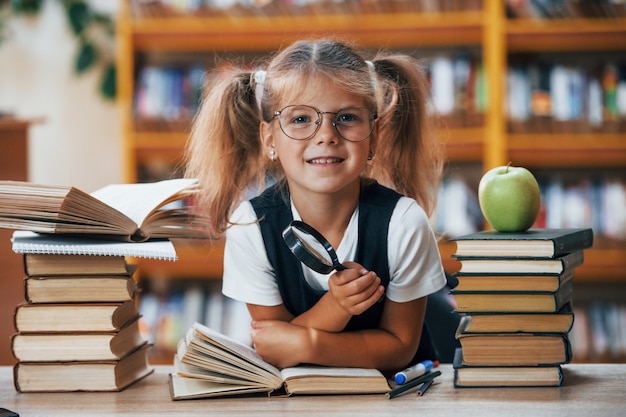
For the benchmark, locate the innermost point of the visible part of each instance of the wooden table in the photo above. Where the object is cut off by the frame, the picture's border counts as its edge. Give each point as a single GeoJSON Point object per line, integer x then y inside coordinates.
{"type": "Point", "coordinates": [589, 390]}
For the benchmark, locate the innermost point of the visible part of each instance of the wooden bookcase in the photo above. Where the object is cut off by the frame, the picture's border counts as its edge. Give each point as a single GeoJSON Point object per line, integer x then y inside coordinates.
{"type": "Point", "coordinates": [13, 166]}
{"type": "Point", "coordinates": [485, 27]}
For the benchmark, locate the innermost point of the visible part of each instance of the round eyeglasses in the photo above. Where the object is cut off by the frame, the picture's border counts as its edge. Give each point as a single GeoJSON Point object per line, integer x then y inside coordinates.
{"type": "Point", "coordinates": [300, 122]}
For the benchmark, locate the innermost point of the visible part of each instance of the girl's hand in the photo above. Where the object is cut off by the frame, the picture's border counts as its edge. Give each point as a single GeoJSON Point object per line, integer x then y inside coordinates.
{"type": "Point", "coordinates": [280, 343]}
{"type": "Point", "coordinates": [355, 289]}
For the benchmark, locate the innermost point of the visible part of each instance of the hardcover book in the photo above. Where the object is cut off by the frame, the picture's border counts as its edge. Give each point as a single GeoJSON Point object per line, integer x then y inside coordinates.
{"type": "Point", "coordinates": [79, 288]}
{"type": "Point", "coordinates": [513, 265]}
{"type": "Point", "coordinates": [36, 264]}
{"type": "Point", "coordinates": [513, 349]}
{"type": "Point", "coordinates": [533, 243]}
{"type": "Point", "coordinates": [505, 322]}
{"type": "Point", "coordinates": [209, 364]}
{"type": "Point", "coordinates": [55, 318]}
{"type": "Point", "coordinates": [512, 282]}
{"type": "Point", "coordinates": [132, 212]}
{"type": "Point", "coordinates": [113, 375]}
{"type": "Point", "coordinates": [466, 376]}
{"type": "Point", "coordinates": [77, 346]}
{"type": "Point", "coordinates": [500, 301]}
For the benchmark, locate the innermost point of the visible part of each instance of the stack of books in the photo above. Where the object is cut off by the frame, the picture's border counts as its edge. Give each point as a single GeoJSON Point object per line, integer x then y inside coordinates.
{"type": "Point", "coordinates": [78, 327]}
{"type": "Point", "coordinates": [515, 290]}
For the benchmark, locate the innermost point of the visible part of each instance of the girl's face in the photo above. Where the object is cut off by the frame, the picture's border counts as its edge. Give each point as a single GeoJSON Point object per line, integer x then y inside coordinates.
{"type": "Point", "coordinates": [325, 163]}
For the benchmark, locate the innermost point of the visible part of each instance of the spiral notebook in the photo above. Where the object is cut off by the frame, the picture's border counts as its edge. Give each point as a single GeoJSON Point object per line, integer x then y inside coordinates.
{"type": "Point", "coordinates": [29, 242]}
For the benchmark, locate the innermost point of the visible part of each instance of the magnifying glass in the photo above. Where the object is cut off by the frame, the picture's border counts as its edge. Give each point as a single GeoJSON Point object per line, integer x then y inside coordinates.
{"type": "Point", "coordinates": [311, 248]}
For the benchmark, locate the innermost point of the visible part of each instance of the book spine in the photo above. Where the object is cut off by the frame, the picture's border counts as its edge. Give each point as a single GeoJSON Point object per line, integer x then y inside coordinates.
{"type": "Point", "coordinates": [572, 260]}
{"type": "Point", "coordinates": [572, 243]}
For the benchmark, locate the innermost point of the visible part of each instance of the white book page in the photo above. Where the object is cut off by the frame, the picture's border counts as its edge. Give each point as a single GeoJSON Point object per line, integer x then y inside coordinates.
{"type": "Point", "coordinates": [29, 242]}
{"type": "Point", "coordinates": [137, 201]}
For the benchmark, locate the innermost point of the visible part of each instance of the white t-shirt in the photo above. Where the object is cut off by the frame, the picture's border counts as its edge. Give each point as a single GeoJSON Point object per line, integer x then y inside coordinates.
{"type": "Point", "coordinates": [414, 261]}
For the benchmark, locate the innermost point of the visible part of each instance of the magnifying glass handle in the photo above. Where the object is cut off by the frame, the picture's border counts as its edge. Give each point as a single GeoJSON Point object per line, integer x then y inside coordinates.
{"type": "Point", "coordinates": [339, 267]}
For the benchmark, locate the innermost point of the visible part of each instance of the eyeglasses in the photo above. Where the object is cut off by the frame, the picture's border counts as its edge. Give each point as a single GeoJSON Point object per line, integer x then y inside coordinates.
{"type": "Point", "coordinates": [300, 122]}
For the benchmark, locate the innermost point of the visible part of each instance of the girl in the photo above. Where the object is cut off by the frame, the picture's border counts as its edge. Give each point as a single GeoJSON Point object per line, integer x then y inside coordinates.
{"type": "Point", "coordinates": [332, 129]}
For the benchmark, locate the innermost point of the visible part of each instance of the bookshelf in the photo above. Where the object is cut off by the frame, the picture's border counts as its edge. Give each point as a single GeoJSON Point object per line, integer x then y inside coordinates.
{"type": "Point", "coordinates": [156, 30]}
{"type": "Point", "coordinates": [13, 166]}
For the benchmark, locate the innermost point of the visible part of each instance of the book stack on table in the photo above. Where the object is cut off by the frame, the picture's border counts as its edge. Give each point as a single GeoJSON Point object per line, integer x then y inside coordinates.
{"type": "Point", "coordinates": [78, 328]}
{"type": "Point", "coordinates": [515, 290]}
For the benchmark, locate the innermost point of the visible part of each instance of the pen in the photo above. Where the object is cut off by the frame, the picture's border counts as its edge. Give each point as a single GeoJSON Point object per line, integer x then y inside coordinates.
{"type": "Point", "coordinates": [413, 372]}
{"type": "Point", "coordinates": [424, 387]}
{"type": "Point", "coordinates": [412, 384]}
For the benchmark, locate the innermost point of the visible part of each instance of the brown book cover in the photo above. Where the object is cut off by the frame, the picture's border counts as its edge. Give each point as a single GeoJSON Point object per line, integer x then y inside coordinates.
{"type": "Point", "coordinates": [513, 349]}
{"type": "Point", "coordinates": [77, 346]}
{"type": "Point", "coordinates": [466, 376]}
{"type": "Point", "coordinates": [60, 318]}
{"type": "Point", "coordinates": [505, 322]}
{"type": "Point", "coordinates": [114, 375]}
{"type": "Point", "coordinates": [39, 264]}
{"type": "Point", "coordinates": [512, 282]}
{"type": "Point", "coordinates": [509, 301]}
{"type": "Point", "coordinates": [79, 288]}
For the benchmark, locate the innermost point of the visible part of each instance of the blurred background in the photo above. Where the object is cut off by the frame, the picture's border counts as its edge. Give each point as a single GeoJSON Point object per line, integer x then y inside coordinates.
{"type": "Point", "coordinates": [105, 92]}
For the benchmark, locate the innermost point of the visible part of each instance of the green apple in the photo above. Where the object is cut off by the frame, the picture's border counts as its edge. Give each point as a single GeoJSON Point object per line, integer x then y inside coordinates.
{"type": "Point", "coordinates": [509, 198]}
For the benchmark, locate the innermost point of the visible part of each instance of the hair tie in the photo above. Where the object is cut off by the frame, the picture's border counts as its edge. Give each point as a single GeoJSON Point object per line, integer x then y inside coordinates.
{"type": "Point", "coordinates": [259, 79]}
{"type": "Point", "coordinates": [372, 70]}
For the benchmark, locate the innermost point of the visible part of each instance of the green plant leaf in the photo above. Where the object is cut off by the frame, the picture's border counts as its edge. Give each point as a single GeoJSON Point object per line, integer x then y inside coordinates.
{"type": "Point", "coordinates": [108, 86]}
{"type": "Point", "coordinates": [79, 16]}
{"type": "Point", "coordinates": [26, 6]}
{"type": "Point", "coordinates": [86, 57]}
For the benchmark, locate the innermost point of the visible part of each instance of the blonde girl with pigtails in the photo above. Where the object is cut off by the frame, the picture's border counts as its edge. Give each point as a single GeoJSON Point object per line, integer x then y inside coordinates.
{"type": "Point", "coordinates": [350, 147]}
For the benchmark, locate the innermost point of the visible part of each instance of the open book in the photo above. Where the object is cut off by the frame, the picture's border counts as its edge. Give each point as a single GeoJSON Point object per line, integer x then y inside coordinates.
{"type": "Point", "coordinates": [133, 212]}
{"type": "Point", "coordinates": [210, 364]}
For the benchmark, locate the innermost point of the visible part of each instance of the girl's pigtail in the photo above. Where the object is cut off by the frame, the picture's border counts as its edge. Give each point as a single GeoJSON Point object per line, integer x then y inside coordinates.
{"type": "Point", "coordinates": [408, 154]}
{"type": "Point", "coordinates": [224, 150]}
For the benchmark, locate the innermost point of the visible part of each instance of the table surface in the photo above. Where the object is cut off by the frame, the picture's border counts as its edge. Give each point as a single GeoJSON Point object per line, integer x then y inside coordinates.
{"type": "Point", "coordinates": [589, 389]}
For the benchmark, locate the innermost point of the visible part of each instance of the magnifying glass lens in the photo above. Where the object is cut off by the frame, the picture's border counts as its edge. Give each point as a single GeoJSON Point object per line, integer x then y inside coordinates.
{"type": "Point", "coordinates": [311, 248]}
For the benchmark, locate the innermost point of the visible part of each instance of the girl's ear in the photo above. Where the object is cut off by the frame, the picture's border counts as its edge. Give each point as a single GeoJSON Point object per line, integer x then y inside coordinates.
{"type": "Point", "coordinates": [267, 138]}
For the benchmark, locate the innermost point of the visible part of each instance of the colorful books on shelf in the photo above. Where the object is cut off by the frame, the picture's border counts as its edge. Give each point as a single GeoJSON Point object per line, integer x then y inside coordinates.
{"type": "Point", "coordinates": [210, 364]}
{"type": "Point", "coordinates": [73, 332]}
{"type": "Point", "coordinates": [516, 291]}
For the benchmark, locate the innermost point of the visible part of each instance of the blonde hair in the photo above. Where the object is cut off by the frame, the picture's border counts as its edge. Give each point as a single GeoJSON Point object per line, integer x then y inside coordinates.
{"type": "Point", "coordinates": [224, 149]}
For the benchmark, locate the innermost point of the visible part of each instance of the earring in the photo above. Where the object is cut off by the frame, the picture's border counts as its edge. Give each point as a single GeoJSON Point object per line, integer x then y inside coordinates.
{"type": "Point", "coordinates": [371, 155]}
{"type": "Point", "coordinates": [272, 155]}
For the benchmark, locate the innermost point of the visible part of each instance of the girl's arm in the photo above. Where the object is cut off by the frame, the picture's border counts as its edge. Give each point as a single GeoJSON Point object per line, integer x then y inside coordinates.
{"type": "Point", "coordinates": [351, 292]}
{"type": "Point", "coordinates": [391, 346]}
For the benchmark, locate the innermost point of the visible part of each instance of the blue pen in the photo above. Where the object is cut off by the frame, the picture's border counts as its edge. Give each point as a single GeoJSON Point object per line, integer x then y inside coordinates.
{"type": "Point", "coordinates": [413, 372]}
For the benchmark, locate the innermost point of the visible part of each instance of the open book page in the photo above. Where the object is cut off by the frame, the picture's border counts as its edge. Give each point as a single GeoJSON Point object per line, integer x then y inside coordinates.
{"type": "Point", "coordinates": [138, 201]}
{"type": "Point", "coordinates": [183, 388]}
{"type": "Point", "coordinates": [29, 242]}
{"type": "Point", "coordinates": [194, 366]}
{"type": "Point", "coordinates": [206, 363]}
{"type": "Point", "coordinates": [333, 380]}
{"type": "Point", "coordinates": [227, 349]}
{"type": "Point", "coordinates": [132, 212]}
